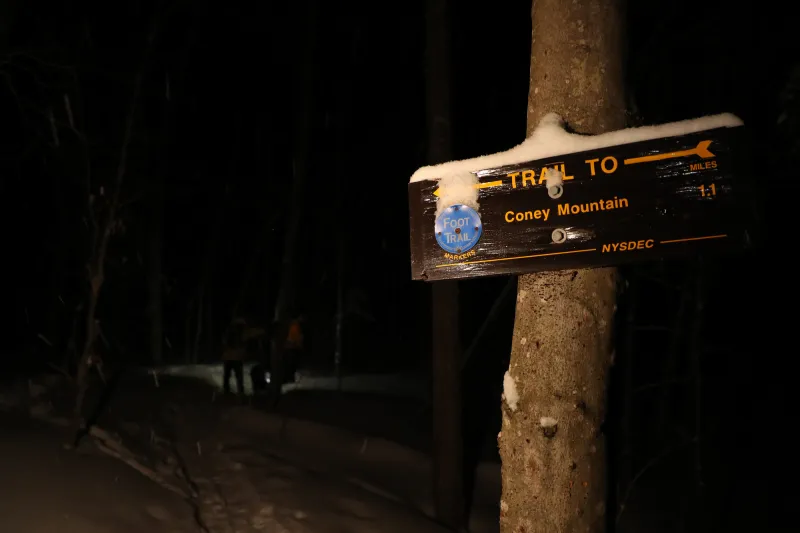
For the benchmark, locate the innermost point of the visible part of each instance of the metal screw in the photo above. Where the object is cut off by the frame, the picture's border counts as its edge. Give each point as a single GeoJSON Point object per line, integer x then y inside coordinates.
{"type": "Point", "coordinates": [555, 191]}
{"type": "Point", "coordinates": [559, 235]}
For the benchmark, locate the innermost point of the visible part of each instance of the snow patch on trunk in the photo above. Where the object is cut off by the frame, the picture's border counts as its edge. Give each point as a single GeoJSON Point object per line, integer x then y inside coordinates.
{"type": "Point", "coordinates": [550, 139]}
{"type": "Point", "coordinates": [547, 421]}
{"type": "Point", "coordinates": [510, 393]}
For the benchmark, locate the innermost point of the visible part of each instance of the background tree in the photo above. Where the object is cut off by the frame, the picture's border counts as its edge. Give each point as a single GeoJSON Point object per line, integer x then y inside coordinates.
{"type": "Point", "coordinates": [447, 443]}
{"type": "Point", "coordinates": [303, 70]}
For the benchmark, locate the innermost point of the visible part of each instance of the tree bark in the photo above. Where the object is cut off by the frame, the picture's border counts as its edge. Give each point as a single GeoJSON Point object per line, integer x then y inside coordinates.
{"type": "Point", "coordinates": [551, 443]}
{"type": "Point", "coordinates": [154, 271]}
{"type": "Point", "coordinates": [343, 126]}
{"type": "Point", "coordinates": [301, 148]}
{"type": "Point", "coordinates": [339, 331]}
{"type": "Point", "coordinates": [204, 287]}
{"type": "Point", "coordinates": [101, 237]}
{"type": "Point", "coordinates": [174, 92]}
{"type": "Point", "coordinates": [200, 302]}
{"type": "Point", "coordinates": [448, 484]}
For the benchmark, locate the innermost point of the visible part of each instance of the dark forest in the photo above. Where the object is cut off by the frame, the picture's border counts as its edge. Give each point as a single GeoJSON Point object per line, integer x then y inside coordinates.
{"type": "Point", "coordinates": [174, 171]}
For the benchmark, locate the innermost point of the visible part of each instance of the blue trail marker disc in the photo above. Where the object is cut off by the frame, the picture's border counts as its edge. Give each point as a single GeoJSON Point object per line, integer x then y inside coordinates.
{"type": "Point", "coordinates": [458, 229]}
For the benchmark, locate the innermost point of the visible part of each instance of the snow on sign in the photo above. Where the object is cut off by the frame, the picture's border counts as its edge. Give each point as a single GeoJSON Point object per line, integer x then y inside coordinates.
{"type": "Point", "coordinates": [560, 200]}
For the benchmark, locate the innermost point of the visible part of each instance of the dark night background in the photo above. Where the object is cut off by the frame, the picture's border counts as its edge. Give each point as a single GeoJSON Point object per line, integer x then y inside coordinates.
{"type": "Point", "coordinates": [216, 138]}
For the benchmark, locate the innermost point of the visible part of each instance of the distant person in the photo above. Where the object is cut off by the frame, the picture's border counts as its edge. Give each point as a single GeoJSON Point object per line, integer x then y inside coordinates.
{"type": "Point", "coordinates": [258, 377]}
{"type": "Point", "coordinates": [258, 372]}
{"type": "Point", "coordinates": [234, 353]}
{"type": "Point", "coordinates": [286, 348]}
{"type": "Point", "coordinates": [294, 345]}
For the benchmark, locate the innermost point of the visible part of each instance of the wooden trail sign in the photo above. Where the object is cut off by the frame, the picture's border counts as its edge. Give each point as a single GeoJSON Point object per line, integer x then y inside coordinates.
{"type": "Point", "coordinates": [659, 198]}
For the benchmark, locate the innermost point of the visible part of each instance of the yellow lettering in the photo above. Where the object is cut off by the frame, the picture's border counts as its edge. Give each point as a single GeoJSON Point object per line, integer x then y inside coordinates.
{"type": "Point", "coordinates": [591, 164]}
{"type": "Point", "coordinates": [542, 176]}
{"type": "Point", "coordinates": [564, 174]}
{"type": "Point", "coordinates": [528, 175]}
{"type": "Point", "coordinates": [628, 246]}
{"type": "Point", "coordinates": [521, 216]}
{"type": "Point", "coordinates": [590, 207]}
{"type": "Point", "coordinates": [513, 177]}
{"type": "Point", "coordinates": [467, 255]}
{"type": "Point", "coordinates": [603, 164]}
{"type": "Point", "coordinates": [702, 166]}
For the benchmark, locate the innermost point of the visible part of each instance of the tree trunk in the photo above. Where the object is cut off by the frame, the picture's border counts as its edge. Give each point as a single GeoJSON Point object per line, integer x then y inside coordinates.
{"type": "Point", "coordinates": [551, 444]}
{"type": "Point", "coordinates": [340, 264]}
{"type": "Point", "coordinates": [212, 345]}
{"type": "Point", "coordinates": [342, 126]}
{"type": "Point", "coordinates": [256, 255]}
{"type": "Point", "coordinates": [301, 148]}
{"type": "Point", "coordinates": [198, 332]}
{"type": "Point", "coordinates": [204, 288]}
{"type": "Point", "coordinates": [187, 334]}
{"type": "Point", "coordinates": [301, 135]}
{"type": "Point", "coordinates": [447, 445]}
{"type": "Point", "coordinates": [174, 93]}
{"type": "Point", "coordinates": [154, 271]}
{"type": "Point", "coordinates": [102, 235]}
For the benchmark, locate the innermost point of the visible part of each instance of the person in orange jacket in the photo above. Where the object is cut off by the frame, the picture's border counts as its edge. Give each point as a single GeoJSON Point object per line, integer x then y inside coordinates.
{"type": "Point", "coordinates": [287, 348]}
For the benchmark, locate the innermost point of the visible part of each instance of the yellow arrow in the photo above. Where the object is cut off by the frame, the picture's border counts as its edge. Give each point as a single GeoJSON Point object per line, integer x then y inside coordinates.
{"type": "Point", "coordinates": [701, 150]}
{"type": "Point", "coordinates": [486, 185]}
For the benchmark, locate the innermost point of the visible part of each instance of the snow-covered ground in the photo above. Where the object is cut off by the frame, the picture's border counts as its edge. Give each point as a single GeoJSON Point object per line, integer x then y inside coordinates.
{"type": "Point", "coordinates": [46, 489]}
{"type": "Point", "coordinates": [246, 470]}
{"type": "Point", "coordinates": [388, 384]}
{"type": "Point", "coordinates": [376, 465]}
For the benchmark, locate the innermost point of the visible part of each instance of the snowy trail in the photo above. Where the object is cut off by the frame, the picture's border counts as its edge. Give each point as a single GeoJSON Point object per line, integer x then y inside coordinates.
{"type": "Point", "coordinates": [47, 489]}
{"type": "Point", "coordinates": [375, 465]}
{"type": "Point", "coordinates": [226, 499]}
{"type": "Point", "coordinates": [315, 501]}
{"type": "Point", "coordinates": [244, 486]}
{"type": "Point", "coordinates": [249, 471]}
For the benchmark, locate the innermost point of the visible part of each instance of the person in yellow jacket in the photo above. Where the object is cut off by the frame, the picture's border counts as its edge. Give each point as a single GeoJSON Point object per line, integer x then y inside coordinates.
{"type": "Point", "coordinates": [234, 352]}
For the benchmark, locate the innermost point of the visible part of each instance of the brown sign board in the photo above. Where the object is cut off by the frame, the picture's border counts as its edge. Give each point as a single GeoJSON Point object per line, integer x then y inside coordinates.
{"type": "Point", "coordinates": [661, 198]}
